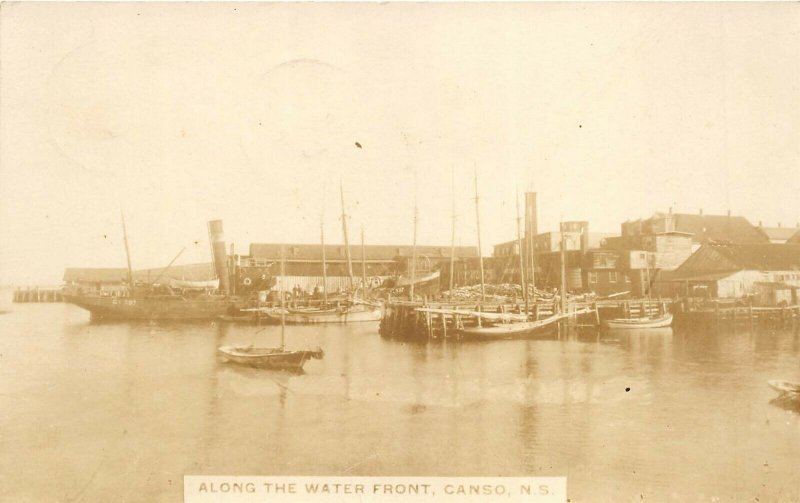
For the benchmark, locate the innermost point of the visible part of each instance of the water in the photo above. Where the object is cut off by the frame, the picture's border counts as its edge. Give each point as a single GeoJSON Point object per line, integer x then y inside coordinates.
{"type": "Point", "coordinates": [120, 412]}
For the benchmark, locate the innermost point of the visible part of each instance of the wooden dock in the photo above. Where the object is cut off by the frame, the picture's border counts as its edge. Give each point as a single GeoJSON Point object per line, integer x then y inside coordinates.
{"type": "Point", "coordinates": [36, 294]}
{"type": "Point", "coordinates": [405, 320]}
{"type": "Point", "coordinates": [733, 311]}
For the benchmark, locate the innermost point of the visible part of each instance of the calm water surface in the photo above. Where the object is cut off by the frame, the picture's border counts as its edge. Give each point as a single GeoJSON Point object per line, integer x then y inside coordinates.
{"type": "Point", "coordinates": [120, 412]}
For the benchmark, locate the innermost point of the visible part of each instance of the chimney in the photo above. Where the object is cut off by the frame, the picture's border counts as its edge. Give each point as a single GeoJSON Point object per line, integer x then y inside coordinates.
{"type": "Point", "coordinates": [219, 254]}
{"type": "Point", "coordinates": [779, 225]}
{"type": "Point", "coordinates": [701, 212]}
{"type": "Point", "coordinates": [729, 213]}
{"type": "Point", "coordinates": [760, 224]}
{"type": "Point", "coordinates": [670, 210]}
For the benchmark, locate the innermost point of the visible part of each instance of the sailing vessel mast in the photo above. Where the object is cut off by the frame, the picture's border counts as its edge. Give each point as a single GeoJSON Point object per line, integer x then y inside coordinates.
{"type": "Point", "coordinates": [563, 269]}
{"type": "Point", "coordinates": [283, 310]}
{"type": "Point", "coordinates": [363, 264]}
{"type": "Point", "coordinates": [127, 253]}
{"type": "Point", "coordinates": [478, 221]}
{"type": "Point", "coordinates": [168, 266]}
{"type": "Point", "coordinates": [414, 245]}
{"type": "Point", "coordinates": [522, 262]}
{"type": "Point", "coordinates": [346, 240]}
{"type": "Point", "coordinates": [453, 236]}
{"type": "Point", "coordinates": [324, 264]}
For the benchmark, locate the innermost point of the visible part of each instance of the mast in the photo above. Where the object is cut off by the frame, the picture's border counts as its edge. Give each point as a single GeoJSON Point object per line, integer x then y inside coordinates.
{"type": "Point", "coordinates": [346, 241]}
{"type": "Point", "coordinates": [168, 266]}
{"type": "Point", "coordinates": [453, 236]}
{"type": "Point", "coordinates": [363, 264]}
{"type": "Point", "coordinates": [563, 270]}
{"type": "Point", "coordinates": [521, 261]}
{"type": "Point", "coordinates": [283, 311]}
{"type": "Point", "coordinates": [127, 253]}
{"type": "Point", "coordinates": [478, 221]}
{"type": "Point", "coordinates": [324, 264]}
{"type": "Point", "coordinates": [531, 248]}
{"type": "Point", "coordinates": [414, 246]}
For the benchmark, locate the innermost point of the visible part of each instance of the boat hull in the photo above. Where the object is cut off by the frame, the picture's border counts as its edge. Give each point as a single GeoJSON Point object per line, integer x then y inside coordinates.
{"type": "Point", "coordinates": [511, 330]}
{"type": "Point", "coordinates": [173, 309]}
{"type": "Point", "coordinates": [268, 358]}
{"type": "Point", "coordinates": [633, 323]}
{"type": "Point", "coordinates": [348, 315]}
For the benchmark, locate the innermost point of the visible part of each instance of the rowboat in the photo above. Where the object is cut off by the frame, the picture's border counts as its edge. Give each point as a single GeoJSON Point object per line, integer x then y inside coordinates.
{"type": "Point", "coordinates": [785, 387]}
{"type": "Point", "coordinates": [269, 358]}
{"type": "Point", "coordinates": [639, 323]}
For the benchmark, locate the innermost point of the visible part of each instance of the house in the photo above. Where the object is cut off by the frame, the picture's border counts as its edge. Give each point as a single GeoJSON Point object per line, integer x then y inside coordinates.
{"type": "Point", "coordinates": [702, 228]}
{"type": "Point", "coordinates": [606, 272]}
{"type": "Point", "coordinates": [768, 272]}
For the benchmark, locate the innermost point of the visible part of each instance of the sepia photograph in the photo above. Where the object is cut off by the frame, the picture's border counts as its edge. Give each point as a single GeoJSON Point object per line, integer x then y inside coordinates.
{"type": "Point", "coordinates": [285, 252]}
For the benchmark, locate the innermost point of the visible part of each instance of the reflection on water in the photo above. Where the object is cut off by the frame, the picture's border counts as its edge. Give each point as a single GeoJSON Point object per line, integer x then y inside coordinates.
{"type": "Point", "coordinates": [120, 412]}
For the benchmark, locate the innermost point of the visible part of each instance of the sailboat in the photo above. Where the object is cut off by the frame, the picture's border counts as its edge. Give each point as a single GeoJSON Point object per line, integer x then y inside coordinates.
{"type": "Point", "coordinates": [646, 321]}
{"type": "Point", "coordinates": [272, 358]}
{"type": "Point", "coordinates": [350, 311]}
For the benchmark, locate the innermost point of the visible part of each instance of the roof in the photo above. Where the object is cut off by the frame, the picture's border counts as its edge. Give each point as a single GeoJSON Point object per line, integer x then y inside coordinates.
{"type": "Point", "coordinates": [718, 228]}
{"type": "Point", "coordinates": [716, 258]}
{"type": "Point", "coordinates": [337, 252]}
{"type": "Point", "coordinates": [795, 239]}
{"type": "Point", "coordinates": [779, 233]}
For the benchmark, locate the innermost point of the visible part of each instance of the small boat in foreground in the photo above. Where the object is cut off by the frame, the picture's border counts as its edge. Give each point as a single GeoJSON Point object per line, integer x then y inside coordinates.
{"type": "Point", "coordinates": [785, 387]}
{"type": "Point", "coordinates": [639, 323]}
{"type": "Point", "coordinates": [272, 358]}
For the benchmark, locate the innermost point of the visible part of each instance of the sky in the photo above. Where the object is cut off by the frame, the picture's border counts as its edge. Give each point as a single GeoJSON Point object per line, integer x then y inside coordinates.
{"type": "Point", "coordinates": [176, 114]}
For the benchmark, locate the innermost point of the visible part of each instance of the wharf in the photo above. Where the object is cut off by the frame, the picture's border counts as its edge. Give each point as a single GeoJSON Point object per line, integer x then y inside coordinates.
{"type": "Point", "coordinates": [405, 319]}
{"type": "Point", "coordinates": [733, 311]}
{"type": "Point", "coordinates": [36, 294]}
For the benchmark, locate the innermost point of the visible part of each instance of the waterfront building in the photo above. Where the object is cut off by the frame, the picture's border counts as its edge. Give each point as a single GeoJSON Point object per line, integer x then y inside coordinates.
{"type": "Point", "coordinates": [303, 263]}
{"type": "Point", "coordinates": [767, 272]}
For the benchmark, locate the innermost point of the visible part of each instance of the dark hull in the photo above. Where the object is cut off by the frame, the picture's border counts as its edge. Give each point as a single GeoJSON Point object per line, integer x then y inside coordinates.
{"type": "Point", "coordinates": [159, 308]}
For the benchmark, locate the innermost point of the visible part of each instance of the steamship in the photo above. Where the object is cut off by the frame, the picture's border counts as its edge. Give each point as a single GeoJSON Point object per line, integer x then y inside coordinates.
{"type": "Point", "coordinates": [160, 302]}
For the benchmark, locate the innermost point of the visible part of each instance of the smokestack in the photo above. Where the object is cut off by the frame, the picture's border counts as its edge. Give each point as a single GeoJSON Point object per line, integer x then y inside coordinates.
{"type": "Point", "coordinates": [701, 212]}
{"type": "Point", "coordinates": [729, 212]}
{"type": "Point", "coordinates": [760, 224]}
{"type": "Point", "coordinates": [670, 210]}
{"type": "Point", "coordinates": [219, 254]}
{"type": "Point", "coordinates": [779, 224]}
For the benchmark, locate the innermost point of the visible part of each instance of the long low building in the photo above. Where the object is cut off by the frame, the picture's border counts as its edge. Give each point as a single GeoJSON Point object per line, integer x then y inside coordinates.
{"type": "Point", "coordinates": [377, 263]}
{"type": "Point", "coordinates": [769, 273]}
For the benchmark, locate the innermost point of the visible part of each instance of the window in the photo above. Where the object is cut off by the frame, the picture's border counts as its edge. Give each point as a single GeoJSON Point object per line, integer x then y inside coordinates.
{"type": "Point", "coordinates": [612, 276]}
{"type": "Point", "coordinates": [592, 277]}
